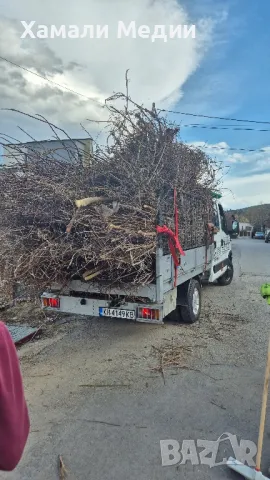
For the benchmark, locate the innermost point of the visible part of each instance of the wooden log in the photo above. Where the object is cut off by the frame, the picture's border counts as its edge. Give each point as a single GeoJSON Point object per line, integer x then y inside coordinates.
{"type": "Point", "coordinates": [84, 202]}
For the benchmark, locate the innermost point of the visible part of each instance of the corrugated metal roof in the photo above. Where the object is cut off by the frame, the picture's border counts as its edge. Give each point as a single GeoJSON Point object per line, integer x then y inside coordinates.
{"type": "Point", "coordinates": [21, 333]}
{"type": "Point", "coordinates": [48, 141]}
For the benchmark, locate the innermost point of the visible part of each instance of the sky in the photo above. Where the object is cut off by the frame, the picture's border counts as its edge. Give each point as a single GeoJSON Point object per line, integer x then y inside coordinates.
{"type": "Point", "coordinates": [223, 72]}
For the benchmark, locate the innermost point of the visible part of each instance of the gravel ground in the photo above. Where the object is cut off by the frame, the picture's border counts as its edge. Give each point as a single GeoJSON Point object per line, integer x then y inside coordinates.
{"type": "Point", "coordinates": [103, 393]}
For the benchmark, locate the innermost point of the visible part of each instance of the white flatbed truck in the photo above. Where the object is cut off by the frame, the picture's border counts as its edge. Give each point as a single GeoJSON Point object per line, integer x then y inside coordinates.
{"type": "Point", "coordinates": [178, 295]}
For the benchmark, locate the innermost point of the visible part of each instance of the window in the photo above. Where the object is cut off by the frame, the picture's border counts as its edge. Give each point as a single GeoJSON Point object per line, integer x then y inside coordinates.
{"type": "Point", "coordinates": [215, 220]}
{"type": "Point", "coordinates": [222, 219]}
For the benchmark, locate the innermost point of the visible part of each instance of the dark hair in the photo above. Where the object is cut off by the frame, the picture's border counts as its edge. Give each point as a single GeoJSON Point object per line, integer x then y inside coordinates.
{"type": "Point", "coordinates": [233, 217]}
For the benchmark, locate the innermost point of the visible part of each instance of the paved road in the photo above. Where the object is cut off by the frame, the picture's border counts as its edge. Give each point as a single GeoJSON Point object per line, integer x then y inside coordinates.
{"type": "Point", "coordinates": [255, 257]}
{"type": "Point", "coordinates": [99, 397]}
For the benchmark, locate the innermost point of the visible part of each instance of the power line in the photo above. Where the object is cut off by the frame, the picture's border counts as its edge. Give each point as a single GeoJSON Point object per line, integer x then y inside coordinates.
{"type": "Point", "coordinates": [51, 81]}
{"type": "Point", "coordinates": [167, 111]}
{"type": "Point", "coordinates": [229, 148]}
{"type": "Point", "coordinates": [219, 125]}
{"type": "Point", "coordinates": [213, 117]}
{"type": "Point", "coordinates": [225, 128]}
{"type": "Point", "coordinates": [160, 110]}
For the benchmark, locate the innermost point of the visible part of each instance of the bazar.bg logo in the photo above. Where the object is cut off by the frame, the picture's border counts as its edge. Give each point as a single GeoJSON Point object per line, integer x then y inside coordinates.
{"type": "Point", "coordinates": [205, 452]}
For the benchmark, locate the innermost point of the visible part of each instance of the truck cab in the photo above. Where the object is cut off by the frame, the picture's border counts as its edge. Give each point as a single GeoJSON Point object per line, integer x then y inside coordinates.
{"type": "Point", "coordinates": [221, 269]}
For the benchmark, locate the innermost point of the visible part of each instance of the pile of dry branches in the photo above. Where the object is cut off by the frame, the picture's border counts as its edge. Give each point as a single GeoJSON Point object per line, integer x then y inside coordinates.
{"type": "Point", "coordinates": [46, 236]}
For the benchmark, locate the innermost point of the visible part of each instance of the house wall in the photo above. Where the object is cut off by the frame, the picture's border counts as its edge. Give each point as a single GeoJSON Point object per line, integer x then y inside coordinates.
{"type": "Point", "coordinates": [67, 150]}
{"type": "Point", "coordinates": [245, 229]}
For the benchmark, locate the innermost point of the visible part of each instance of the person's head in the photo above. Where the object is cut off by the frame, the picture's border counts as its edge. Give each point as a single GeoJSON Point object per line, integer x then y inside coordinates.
{"type": "Point", "coordinates": [233, 217]}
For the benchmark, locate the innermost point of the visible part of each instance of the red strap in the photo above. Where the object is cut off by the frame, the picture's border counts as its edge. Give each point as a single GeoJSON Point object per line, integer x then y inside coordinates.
{"type": "Point", "coordinates": [173, 241]}
{"type": "Point", "coordinates": [174, 245]}
{"type": "Point", "coordinates": [176, 234]}
{"type": "Point", "coordinates": [175, 214]}
{"type": "Point", "coordinates": [172, 237]}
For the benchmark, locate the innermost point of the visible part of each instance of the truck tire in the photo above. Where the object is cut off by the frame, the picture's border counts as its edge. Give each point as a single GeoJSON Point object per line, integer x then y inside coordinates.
{"type": "Point", "coordinates": [226, 279]}
{"type": "Point", "coordinates": [191, 312]}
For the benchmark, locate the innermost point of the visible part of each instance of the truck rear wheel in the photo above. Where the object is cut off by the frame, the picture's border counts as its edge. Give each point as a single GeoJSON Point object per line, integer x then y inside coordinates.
{"type": "Point", "coordinates": [191, 312]}
{"type": "Point", "coordinates": [226, 279]}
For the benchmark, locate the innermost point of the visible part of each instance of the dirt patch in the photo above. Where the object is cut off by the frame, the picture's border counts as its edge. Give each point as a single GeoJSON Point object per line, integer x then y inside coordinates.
{"type": "Point", "coordinates": [28, 313]}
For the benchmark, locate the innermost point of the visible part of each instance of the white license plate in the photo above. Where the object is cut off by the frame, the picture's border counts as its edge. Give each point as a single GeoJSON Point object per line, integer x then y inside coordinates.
{"type": "Point", "coordinates": [117, 313]}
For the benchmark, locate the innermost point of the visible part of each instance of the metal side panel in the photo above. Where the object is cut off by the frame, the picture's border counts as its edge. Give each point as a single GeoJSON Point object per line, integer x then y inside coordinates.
{"type": "Point", "coordinates": [147, 291]}
{"type": "Point", "coordinates": [169, 303]}
{"type": "Point", "coordinates": [159, 275]}
{"type": "Point", "coordinates": [192, 265]}
{"type": "Point", "coordinates": [167, 268]}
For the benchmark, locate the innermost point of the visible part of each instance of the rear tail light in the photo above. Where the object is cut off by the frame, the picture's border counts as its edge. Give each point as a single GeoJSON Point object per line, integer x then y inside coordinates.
{"type": "Point", "coordinates": [53, 302]}
{"type": "Point", "coordinates": [148, 313]}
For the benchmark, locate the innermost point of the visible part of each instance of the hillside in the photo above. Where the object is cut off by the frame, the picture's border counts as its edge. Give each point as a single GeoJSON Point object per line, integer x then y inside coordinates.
{"type": "Point", "coordinates": [257, 214]}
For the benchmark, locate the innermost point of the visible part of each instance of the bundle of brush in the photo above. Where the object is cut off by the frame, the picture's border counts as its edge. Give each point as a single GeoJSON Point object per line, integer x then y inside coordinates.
{"type": "Point", "coordinates": [62, 218]}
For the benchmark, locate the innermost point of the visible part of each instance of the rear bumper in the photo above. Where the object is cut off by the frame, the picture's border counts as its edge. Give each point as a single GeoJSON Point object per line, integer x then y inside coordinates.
{"type": "Point", "coordinates": [91, 307]}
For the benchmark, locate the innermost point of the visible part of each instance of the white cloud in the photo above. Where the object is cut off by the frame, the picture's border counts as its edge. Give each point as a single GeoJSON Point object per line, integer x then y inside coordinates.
{"type": "Point", "coordinates": [222, 151]}
{"type": "Point", "coordinates": [96, 67]}
{"type": "Point", "coordinates": [247, 180]}
{"type": "Point", "coordinates": [213, 148]}
{"type": "Point", "coordinates": [247, 191]}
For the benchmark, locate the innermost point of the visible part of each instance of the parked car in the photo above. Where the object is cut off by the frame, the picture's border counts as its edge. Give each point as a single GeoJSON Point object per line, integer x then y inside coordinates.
{"type": "Point", "coordinates": [259, 236]}
{"type": "Point", "coordinates": [267, 238]}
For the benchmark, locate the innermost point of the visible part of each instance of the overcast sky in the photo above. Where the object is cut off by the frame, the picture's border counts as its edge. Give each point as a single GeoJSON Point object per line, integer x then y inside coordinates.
{"type": "Point", "coordinates": [223, 72]}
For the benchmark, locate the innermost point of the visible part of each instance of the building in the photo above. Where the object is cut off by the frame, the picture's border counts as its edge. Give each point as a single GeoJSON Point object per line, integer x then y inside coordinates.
{"type": "Point", "coordinates": [245, 229]}
{"type": "Point", "coordinates": [67, 149]}
{"type": "Point", "coordinates": [232, 225]}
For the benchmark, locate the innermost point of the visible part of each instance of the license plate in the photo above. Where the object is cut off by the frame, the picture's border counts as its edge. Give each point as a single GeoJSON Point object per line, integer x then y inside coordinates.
{"type": "Point", "coordinates": [117, 313]}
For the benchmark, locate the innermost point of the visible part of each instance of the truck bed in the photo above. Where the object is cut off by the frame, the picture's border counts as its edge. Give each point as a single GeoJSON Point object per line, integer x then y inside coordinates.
{"type": "Point", "coordinates": [192, 264]}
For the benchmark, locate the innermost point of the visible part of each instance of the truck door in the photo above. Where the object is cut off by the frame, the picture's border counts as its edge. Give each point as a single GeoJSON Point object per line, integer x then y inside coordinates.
{"type": "Point", "coordinates": [222, 245]}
